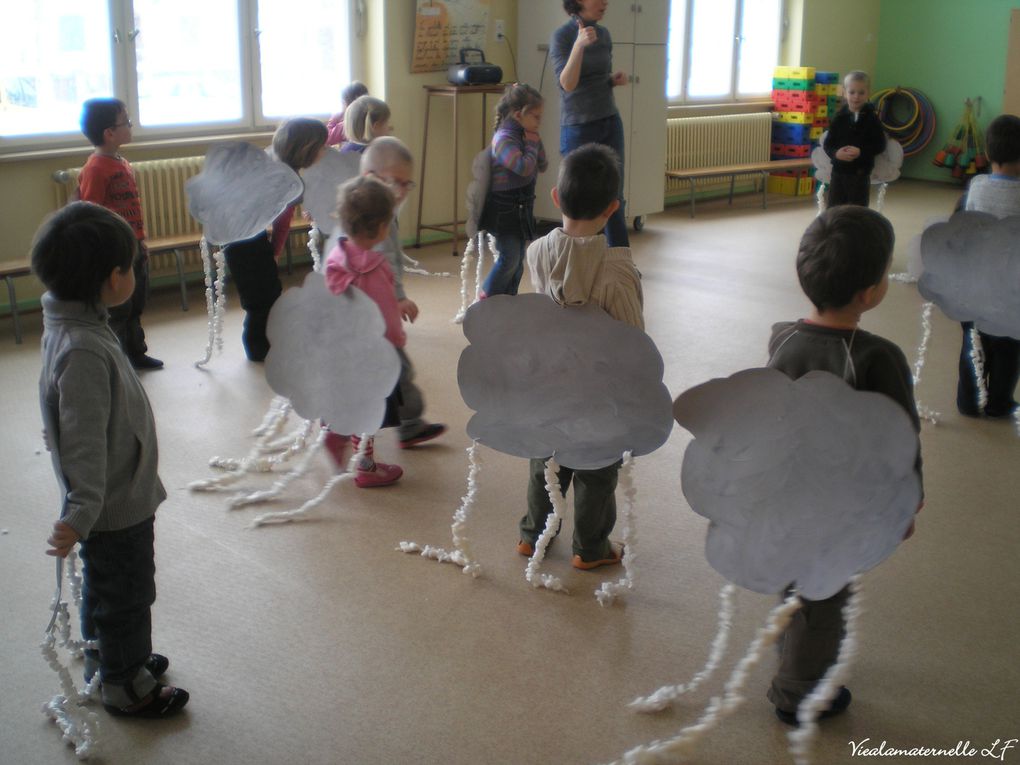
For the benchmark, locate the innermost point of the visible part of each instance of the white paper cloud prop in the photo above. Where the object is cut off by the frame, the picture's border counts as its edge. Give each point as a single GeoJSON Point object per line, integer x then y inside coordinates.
{"type": "Point", "coordinates": [887, 164]}
{"type": "Point", "coordinates": [329, 356]}
{"type": "Point", "coordinates": [321, 182]}
{"type": "Point", "coordinates": [568, 382]}
{"type": "Point", "coordinates": [805, 481]}
{"type": "Point", "coordinates": [972, 271]}
{"type": "Point", "coordinates": [239, 192]}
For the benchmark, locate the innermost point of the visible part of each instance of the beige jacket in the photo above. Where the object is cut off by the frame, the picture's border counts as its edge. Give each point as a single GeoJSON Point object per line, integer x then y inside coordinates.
{"type": "Point", "coordinates": [585, 270]}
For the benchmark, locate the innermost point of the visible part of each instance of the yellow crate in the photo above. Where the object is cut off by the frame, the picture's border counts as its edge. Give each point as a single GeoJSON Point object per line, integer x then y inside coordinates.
{"type": "Point", "coordinates": [801, 73]}
{"type": "Point", "coordinates": [815, 133]}
{"type": "Point", "coordinates": [805, 186]}
{"type": "Point", "coordinates": [797, 118]}
{"type": "Point", "coordinates": [821, 89]}
{"type": "Point", "coordinates": [832, 90]}
{"type": "Point", "coordinates": [782, 72]}
{"type": "Point", "coordinates": [822, 111]}
{"type": "Point", "coordinates": [778, 184]}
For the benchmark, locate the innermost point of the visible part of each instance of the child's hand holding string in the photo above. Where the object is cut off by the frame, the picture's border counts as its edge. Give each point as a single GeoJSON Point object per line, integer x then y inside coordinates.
{"type": "Point", "coordinates": [62, 540]}
{"type": "Point", "coordinates": [408, 309]}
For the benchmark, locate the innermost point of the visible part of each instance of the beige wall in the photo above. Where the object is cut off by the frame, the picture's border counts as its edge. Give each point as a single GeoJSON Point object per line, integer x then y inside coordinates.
{"type": "Point", "coordinates": [839, 36]}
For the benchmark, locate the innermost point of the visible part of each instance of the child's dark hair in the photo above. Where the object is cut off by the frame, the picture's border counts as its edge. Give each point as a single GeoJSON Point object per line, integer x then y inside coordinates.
{"type": "Point", "coordinates": [845, 250]}
{"type": "Point", "coordinates": [297, 142]}
{"type": "Point", "coordinates": [363, 205]}
{"type": "Point", "coordinates": [98, 114]}
{"type": "Point", "coordinates": [517, 96]}
{"type": "Point", "coordinates": [353, 92]}
{"type": "Point", "coordinates": [77, 248]}
{"type": "Point", "coordinates": [572, 7]}
{"type": "Point", "coordinates": [1003, 139]}
{"type": "Point", "coordinates": [589, 181]}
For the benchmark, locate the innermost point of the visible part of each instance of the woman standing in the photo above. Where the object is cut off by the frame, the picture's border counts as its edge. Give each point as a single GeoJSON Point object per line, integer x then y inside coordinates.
{"type": "Point", "coordinates": [582, 57]}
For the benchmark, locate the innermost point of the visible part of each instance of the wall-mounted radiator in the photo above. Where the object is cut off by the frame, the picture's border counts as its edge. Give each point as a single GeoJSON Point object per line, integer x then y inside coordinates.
{"type": "Point", "coordinates": [693, 142]}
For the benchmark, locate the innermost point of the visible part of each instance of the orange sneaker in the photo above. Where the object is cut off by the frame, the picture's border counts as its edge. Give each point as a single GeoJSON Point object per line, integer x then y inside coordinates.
{"type": "Point", "coordinates": [525, 548]}
{"type": "Point", "coordinates": [615, 556]}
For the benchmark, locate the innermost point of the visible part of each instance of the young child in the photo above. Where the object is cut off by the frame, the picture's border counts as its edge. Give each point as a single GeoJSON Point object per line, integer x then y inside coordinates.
{"type": "Point", "coordinates": [365, 212]}
{"type": "Point", "coordinates": [298, 143]}
{"type": "Point", "coordinates": [843, 267]}
{"type": "Point", "coordinates": [335, 125]}
{"type": "Point", "coordinates": [102, 437]}
{"type": "Point", "coordinates": [998, 194]}
{"type": "Point", "coordinates": [574, 265]}
{"type": "Point", "coordinates": [517, 157]}
{"type": "Point", "coordinates": [365, 120]}
{"type": "Point", "coordinates": [854, 139]}
{"type": "Point", "coordinates": [388, 160]}
{"type": "Point", "coordinates": [108, 180]}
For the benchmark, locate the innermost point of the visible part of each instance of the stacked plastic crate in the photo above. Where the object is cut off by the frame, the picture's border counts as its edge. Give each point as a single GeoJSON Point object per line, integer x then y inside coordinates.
{"type": "Point", "coordinates": [827, 93]}
{"type": "Point", "coordinates": [795, 105]}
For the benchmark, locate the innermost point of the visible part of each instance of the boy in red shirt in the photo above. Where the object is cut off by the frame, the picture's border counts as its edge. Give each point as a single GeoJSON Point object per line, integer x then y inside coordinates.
{"type": "Point", "coordinates": [108, 180]}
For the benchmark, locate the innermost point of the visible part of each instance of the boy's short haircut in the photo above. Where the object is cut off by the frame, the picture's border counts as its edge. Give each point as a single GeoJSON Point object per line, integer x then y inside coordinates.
{"type": "Point", "coordinates": [588, 181]}
{"type": "Point", "coordinates": [77, 248]}
{"type": "Point", "coordinates": [384, 153]}
{"type": "Point", "coordinates": [572, 6]}
{"type": "Point", "coordinates": [857, 76]}
{"type": "Point", "coordinates": [98, 114]}
{"type": "Point", "coordinates": [353, 92]}
{"type": "Point", "coordinates": [845, 250]}
{"type": "Point", "coordinates": [297, 142]}
{"type": "Point", "coordinates": [363, 205]}
{"type": "Point", "coordinates": [1003, 139]}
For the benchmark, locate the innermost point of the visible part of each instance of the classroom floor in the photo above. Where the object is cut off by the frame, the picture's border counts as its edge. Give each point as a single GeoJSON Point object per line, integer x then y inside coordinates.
{"type": "Point", "coordinates": [319, 642]}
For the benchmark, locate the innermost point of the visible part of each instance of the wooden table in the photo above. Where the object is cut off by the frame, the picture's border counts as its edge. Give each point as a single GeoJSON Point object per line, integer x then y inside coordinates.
{"type": "Point", "coordinates": [453, 92]}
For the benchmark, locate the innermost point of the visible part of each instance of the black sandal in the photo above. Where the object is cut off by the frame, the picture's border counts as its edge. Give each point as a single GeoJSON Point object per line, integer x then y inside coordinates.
{"type": "Point", "coordinates": [156, 707]}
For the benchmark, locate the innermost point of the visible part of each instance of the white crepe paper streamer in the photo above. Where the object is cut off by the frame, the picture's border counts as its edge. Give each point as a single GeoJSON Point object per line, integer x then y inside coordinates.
{"type": "Point", "coordinates": [820, 196]}
{"type": "Point", "coordinates": [274, 491]}
{"type": "Point", "coordinates": [828, 687]}
{"type": "Point", "coordinates": [904, 277]}
{"type": "Point", "coordinates": [880, 202]}
{"type": "Point", "coordinates": [461, 554]}
{"type": "Point", "coordinates": [470, 252]}
{"type": "Point", "coordinates": [313, 248]}
{"type": "Point", "coordinates": [306, 511]}
{"type": "Point", "coordinates": [923, 411]}
{"type": "Point", "coordinates": [977, 363]}
{"type": "Point", "coordinates": [609, 591]}
{"type": "Point", "coordinates": [683, 744]}
{"type": "Point", "coordinates": [412, 266]}
{"type": "Point", "coordinates": [272, 423]}
{"type": "Point", "coordinates": [552, 525]}
{"type": "Point", "coordinates": [1016, 420]}
{"type": "Point", "coordinates": [79, 725]}
{"type": "Point", "coordinates": [664, 697]}
{"type": "Point", "coordinates": [215, 306]}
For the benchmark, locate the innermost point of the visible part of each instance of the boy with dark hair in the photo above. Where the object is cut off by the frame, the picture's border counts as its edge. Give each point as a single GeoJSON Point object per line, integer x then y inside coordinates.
{"type": "Point", "coordinates": [574, 265]}
{"type": "Point", "coordinates": [999, 195]}
{"type": "Point", "coordinates": [108, 180]}
{"type": "Point", "coordinates": [102, 437]}
{"type": "Point", "coordinates": [843, 267]}
{"type": "Point", "coordinates": [855, 137]}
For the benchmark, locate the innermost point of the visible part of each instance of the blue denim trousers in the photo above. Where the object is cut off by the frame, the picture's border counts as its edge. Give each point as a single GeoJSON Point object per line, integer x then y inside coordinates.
{"type": "Point", "coordinates": [119, 588]}
{"type": "Point", "coordinates": [505, 276]}
{"type": "Point", "coordinates": [607, 131]}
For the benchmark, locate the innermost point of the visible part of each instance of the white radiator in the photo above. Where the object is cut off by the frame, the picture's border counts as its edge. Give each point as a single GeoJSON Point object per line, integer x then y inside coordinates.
{"type": "Point", "coordinates": [693, 142]}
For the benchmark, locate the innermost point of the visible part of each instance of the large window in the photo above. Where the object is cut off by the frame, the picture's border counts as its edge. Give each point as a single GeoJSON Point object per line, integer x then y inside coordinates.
{"type": "Point", "coordinates": [181, 66]}
{"type": "Point", "coordinates": [722, 50]}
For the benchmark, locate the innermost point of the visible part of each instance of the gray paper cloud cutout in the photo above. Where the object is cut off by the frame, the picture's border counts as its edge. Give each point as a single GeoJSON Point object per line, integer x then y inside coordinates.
{"type": "Point", "coordinates": [239, 192]}
{"type": "Point", "coordinates": [568, 382]}
{"type": "Point", "coordinates": [972, 270]}
{"type": "Point", "coordinates": [329, 356]}
{"type": "Point", "coordinates": [321, 182]}
{"type": "Point", "coordinates": [805, 481]}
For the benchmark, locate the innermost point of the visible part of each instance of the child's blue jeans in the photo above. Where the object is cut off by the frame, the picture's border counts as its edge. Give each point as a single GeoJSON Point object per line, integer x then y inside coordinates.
{"type": "Point", "coordinates": [505, 276]}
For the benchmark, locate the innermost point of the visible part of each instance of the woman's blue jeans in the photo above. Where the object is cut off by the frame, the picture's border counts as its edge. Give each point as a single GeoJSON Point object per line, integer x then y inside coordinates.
{"type": "Point", "coordinates": [607, 131]}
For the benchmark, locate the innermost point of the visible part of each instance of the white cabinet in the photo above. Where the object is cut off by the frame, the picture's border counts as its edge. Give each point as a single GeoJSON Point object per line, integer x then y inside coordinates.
{"type": "Point", "coordinates": [639, 32]}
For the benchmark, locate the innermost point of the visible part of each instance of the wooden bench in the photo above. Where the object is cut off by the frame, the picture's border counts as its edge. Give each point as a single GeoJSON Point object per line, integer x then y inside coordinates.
{"type": "Point", "coordinates": [9, 271]}
{"type": "Point", "coordinates": [763, 168]}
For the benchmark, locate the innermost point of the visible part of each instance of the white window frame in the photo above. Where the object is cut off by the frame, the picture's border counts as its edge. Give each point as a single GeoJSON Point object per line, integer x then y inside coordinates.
{"type": "Point", "coordinates": [732, 97]}
{"type": "Point", "coordinates": [125, 83]}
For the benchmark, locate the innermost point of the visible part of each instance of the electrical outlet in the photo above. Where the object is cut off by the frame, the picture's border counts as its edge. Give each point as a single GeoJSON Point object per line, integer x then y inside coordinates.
{"type": "Point", "coordinates": [500, 29]}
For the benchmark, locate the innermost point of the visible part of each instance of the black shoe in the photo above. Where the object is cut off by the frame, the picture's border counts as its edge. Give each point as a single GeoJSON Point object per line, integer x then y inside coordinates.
{"type": "Point", "coordinates": [425, 434]}
{"type": "Point", "coordinates": [144, 362]}
{"type": "Point", "coordinates": [157, 664]}
{"type": "Point", "coordinates": [158, 704]}
{"type": "Point", "coordinates": [999, 414]}
{"type": "Point", "coordinates": [837, 706]}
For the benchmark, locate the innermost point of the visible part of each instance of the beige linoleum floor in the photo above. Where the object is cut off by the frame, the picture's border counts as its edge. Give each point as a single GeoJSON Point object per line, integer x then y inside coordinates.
{"type": "Point", "coordinates": [320, 643]}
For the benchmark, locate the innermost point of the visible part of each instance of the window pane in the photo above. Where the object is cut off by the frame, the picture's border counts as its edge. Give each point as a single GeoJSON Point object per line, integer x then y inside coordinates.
{"type": "Point", "coordinates": [53, 56]}
{"type": "Point", "coordinates": [189, 65]}
{"type": "Point", "coordinates": [675, 49]}
{"type": "Point", "coordinates": [759, 45]}
{"type": "Point", "coordinates": [304, 64]}
{"type": "Point", "coordinates": [712, 32]}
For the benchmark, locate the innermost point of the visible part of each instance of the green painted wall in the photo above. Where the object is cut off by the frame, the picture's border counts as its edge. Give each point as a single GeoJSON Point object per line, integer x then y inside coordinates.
{"type": "Point", "coordinates": [950, 50]}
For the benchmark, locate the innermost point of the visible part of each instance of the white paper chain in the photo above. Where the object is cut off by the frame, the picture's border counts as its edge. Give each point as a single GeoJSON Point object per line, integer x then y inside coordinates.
{"type": "Point", "coordinates": [313, 249]}
{"type": "Point", "coordinates": [923, 411]}
{"type": "Point", "coordinates": [820, 196]}
{"type": "Point", "coordinates": [977, 361]}
{"type": "Point", "coordinates": [553, 522]}
{"type": "Point", "coordinates": [471, 250]}
{"type": "Point", "coordinates": [215, 299]}
{"type": "Point", "coordinates": [880, 202]}
{"type": "Point", "coordinates": [665, 696]}
{"type": "Point", "coordinates": [274, 491]}
{"type": "Point", "coordinates": [412, 266]}
{"type": "Point", "coordinates": [461, 554]}
{"type": "Point", "coordinates": [609, 591]}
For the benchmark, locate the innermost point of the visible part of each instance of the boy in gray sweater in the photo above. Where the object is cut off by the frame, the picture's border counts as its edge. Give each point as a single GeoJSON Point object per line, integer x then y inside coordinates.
{"type": "Point", "coordinates": [102, 437]}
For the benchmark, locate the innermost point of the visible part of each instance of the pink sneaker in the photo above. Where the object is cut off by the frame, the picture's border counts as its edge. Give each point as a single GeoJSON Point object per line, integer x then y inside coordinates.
{"type": "Point", "coordinates": [381, 475]}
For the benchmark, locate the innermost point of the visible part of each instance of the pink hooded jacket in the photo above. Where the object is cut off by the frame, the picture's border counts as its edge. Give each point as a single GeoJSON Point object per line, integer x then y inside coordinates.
{"type": "Point", "coordinates": [349, 265]}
